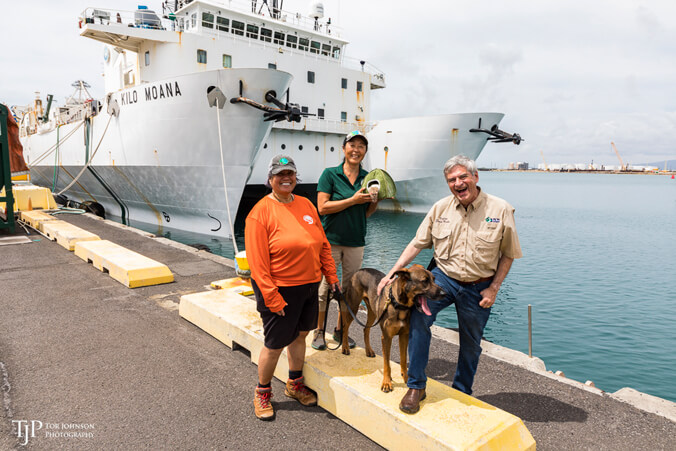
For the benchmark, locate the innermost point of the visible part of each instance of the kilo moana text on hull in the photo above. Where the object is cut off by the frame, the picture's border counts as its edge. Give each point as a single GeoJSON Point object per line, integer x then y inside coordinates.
{"type": "Point", "coordinates": [161, 91]}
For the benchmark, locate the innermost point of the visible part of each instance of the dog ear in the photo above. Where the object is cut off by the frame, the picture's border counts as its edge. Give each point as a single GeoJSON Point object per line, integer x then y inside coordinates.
{"type": "Point", "coordinates": [403, 274]}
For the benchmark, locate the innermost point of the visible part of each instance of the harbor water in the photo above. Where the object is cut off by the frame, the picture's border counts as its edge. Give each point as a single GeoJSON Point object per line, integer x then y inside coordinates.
{"type": "Point", "coordinates": [599, 270]}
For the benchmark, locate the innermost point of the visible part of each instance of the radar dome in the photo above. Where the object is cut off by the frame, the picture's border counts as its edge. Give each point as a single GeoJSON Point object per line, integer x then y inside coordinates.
{"type": "Point", "coordinates": [316, 10]}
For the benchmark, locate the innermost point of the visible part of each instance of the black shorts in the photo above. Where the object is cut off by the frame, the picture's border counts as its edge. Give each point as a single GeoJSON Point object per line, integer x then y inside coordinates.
{"type": "Point", "coordinates": [300, 314]}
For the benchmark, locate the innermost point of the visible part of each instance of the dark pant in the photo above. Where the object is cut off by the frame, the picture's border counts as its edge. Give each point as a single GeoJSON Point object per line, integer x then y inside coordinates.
{"type": "Point", "coordinates": [472, 319]}
{"type": "Point", "coordinates": [300, 314]}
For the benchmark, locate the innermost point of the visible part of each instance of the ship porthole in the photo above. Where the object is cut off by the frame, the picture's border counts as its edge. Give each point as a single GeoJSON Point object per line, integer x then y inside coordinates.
{"type": "Point", "coordinates": [283, 146]}
{"type": "Point", "coordinates": [265, 146]}
{"type": "Point", "coordinates": [331, 148]}
{"type": "Point", "coordinates": [300, 147]}
{"type": "Point", "coordinates": [317, 148]}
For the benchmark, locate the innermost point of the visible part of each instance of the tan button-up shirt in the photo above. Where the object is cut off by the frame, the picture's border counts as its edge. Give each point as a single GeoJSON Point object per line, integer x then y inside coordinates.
{"type": "Point", "coordinates": [468, 242]}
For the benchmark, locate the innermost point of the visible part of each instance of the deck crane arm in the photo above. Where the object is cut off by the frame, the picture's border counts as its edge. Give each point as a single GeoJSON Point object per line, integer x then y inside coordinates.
{"type": "Point", "coordinates": [622, 166]}
{"type": "Point", "coordinates": [543, 160]}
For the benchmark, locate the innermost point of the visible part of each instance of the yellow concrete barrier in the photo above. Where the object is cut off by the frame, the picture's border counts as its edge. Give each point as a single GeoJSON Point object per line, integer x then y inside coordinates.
{"type": "Point", "coordinates": [349, 388]}
{"type": "Point", "coordinates": [66, 234]}
{"type": "Point", "coordinates": [31, 197]}
{"type": "Point", "coordinates": [127, 267]}
{"type": "Point", "coordinates": [35, 218]}
{"type": "Point", "coordinates": [237, 285]}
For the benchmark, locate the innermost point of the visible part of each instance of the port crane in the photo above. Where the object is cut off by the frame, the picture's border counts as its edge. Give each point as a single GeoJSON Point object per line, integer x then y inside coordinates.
{"type": "Point", "coordinates": [543, 160]}
{"type": "Point", "coordinates": [623, 167]}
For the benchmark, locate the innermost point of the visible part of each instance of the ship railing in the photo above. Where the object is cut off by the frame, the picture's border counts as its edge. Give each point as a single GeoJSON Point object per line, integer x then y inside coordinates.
{"type": "Point", "coordinates": [140, 18]}
{"type": "Point", "coordinates": [377, 76]}
{"type": "Point", "coordinates": [315, 124]}
{"type": "Point", "coordinates": [294, 19]}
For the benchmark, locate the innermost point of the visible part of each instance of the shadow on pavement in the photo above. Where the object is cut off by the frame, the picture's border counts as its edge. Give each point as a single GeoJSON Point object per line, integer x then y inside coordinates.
{"type": "Point", "coordinates": [536, 408]}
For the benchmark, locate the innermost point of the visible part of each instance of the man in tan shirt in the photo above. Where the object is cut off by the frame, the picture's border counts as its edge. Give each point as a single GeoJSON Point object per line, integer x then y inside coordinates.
{"type": "Point", "coordinates": [474, 239]}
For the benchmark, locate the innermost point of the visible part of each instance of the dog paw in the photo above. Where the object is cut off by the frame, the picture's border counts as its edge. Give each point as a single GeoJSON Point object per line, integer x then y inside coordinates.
{"type": "Point", "coordinates": [386, 387]}
{"type": "Point", "coordinates": [346, 351]}
{"type": "Point", "coordinates": [370, 353]}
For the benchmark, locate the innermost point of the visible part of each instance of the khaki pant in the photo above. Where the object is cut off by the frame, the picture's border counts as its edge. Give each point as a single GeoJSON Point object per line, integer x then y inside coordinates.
{"type": "Point", "coordinates": [350, 258]}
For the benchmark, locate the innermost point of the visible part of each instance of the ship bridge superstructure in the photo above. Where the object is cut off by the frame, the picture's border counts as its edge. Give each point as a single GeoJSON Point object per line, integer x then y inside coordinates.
{"type": "Point", "coordinates": [332, 89]}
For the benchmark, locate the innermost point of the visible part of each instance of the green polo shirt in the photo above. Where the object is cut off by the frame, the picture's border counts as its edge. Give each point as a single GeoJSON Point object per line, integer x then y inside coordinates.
{"type": "Point", "coordinates": [347, 227]}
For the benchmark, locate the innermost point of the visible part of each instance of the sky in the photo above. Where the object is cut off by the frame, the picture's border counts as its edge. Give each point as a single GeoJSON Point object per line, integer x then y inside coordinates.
{"type": "Point", "coordinates": [570, 76]}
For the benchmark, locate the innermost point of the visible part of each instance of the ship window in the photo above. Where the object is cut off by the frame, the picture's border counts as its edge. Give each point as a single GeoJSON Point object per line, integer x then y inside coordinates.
{"type": "Point", "coordinates": [279, 38]}
{"type": "Point", "coordinates": [222, 23]}
{"type": "Point", "coordinates": [332, 149]}
{"type": "Point", "coordinates": [283, 146]}
{"type": "Point", "coordinates": [304, 109]}
{"type": "Point", "coordinates": [227, 61]}
{"type": "Point", "coordinates": [360, 86]}
{"type": "Point", "coordinates": [343, 116]}
{"type": "Point", "coordinates": [310, 76]}
{"type": "Point", "coordinates": [326, 49]}
{"type": "Point", "coordinates": [207, 20]}
{"type": "Point", "coordinates": [320, 113]}
{"type": "Point", "coordinates": [303, 44]}
{"type": "Point", "coordinates": [201, 56]}
{"type": "Point", "coordinates": [343, 83]}
{"type": "Point", "coordinates": [336, 52]}
{"type": "Point", "coordinates": [147, 58]}
{"type": "Point", "coordinates": [238, 27]}
{"type": "Point", "coordinates": [266, 35]}
{"type": "Point", "coordinates": [251, 31]}
{"type": "Point", "coordinates": [272, 66]}
{"type": "Point", "coordinates": [314, 47]}
{"type": "Point", "coordinates": [291, 41]}
{"type": "Point", "coordinates": [193, 20]}
{"type": "Point", "coordinates": [317, 148]}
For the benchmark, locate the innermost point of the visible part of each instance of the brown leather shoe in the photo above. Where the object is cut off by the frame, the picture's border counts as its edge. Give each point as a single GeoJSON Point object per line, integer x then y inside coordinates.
{"type": "Point", "coordinates": [262, 405]}
{"type": "Point", "coordinates": [410, 403]}
{"type": "Point", "coordinates": [296, 389]}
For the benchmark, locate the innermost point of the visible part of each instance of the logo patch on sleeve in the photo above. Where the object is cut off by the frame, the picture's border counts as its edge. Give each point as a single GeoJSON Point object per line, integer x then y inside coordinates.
{"type": "Point", "coordinates": [489, 219]}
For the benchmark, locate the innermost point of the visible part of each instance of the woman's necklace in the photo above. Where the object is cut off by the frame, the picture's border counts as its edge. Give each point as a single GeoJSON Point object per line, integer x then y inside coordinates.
{"type": "Point", "coordinates": [280, 200]}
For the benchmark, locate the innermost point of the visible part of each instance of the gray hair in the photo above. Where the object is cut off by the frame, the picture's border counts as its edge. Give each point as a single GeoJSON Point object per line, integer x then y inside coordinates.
{"type": "Point", "coordinates": [460, 160]}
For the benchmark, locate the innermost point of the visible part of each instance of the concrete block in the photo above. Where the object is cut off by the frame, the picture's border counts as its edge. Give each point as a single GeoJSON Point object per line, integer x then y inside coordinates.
{"type": "Point", "coordinates": [31, 197]}
{"type": "Point", "coordinates": [66, 234]}
{"type": "Point", "coordinates": [35, 218]}
{"type": "Point", "coordinates": [349, 387]}
{"type": "Point", "coordinates": [127, 267]}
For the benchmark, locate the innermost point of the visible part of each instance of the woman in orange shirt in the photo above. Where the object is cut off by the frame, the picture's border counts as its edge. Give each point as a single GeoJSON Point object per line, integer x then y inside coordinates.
{"type": "Point", "coordinates": [287, 252]}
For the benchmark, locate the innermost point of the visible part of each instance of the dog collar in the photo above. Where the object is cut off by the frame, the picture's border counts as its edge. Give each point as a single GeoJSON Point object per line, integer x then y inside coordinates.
{"type": "Point", "coordinates": [395, 304]}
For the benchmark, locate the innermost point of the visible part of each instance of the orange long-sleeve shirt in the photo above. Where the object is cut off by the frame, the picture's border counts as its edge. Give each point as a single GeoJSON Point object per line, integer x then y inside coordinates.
{"type": "Point", "coordinates": [286, 246]}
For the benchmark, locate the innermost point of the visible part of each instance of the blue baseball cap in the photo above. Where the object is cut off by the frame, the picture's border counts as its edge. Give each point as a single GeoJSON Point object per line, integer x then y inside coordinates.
{"type": "Point", "coordinates": [350, 136]}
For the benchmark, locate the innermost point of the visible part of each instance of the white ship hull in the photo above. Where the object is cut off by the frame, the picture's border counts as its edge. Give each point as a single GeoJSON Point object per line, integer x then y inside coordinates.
{"type": "Point", "coordinates": [413, 151]}
{"type": "Point", "coordinates": [159, 160]}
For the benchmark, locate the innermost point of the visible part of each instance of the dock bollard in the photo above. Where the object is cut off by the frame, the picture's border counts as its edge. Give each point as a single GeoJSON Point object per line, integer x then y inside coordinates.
{"type": "Point", "coordinates": [530, 332]}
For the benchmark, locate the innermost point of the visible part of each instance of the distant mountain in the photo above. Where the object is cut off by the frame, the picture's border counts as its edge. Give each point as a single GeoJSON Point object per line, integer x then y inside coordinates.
{"type": "Point", "coordinates": [671, 164]}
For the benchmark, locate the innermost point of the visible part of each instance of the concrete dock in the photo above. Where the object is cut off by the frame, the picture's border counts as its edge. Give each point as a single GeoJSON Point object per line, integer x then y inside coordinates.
{"type": "Point", "coordinates": [92, 364]}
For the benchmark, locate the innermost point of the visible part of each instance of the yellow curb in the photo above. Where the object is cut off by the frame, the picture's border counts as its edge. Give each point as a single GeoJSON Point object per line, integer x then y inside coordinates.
{"type": "Point", "coordinates": [66, 234]}
{"type": "Point", "coordinates": [349, 387]}
{"type": "Point", "coordinates": [127, 267]}
{"type": "Point", "coordinates": [35, 218]}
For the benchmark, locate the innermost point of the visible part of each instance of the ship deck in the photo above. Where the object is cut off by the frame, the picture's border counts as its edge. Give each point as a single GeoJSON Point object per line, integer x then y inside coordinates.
{"type": "Point", "coordinates": [81, 352]}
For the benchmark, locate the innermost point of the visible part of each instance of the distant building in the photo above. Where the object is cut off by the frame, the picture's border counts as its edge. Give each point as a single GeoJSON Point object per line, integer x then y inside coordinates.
{"type": "Point", "coordinates": [522, 166]}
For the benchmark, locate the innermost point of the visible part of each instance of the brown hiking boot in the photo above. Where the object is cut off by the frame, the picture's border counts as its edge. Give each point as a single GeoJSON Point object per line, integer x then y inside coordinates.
{"type": "Point", "coordinates": [263, 405]}
{"type": "Point", "coordinates": [410, 403]}
{"type": "Point", "coordinates": [296, 389]}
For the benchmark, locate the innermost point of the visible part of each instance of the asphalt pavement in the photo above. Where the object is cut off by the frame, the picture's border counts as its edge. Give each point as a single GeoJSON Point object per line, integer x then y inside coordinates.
{"type": "Point", "coordinates": [90, 364]}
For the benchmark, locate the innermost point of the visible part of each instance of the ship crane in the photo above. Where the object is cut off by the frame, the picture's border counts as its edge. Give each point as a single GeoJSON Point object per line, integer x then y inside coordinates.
{"type": "Point", "coordinates": [543, 160]}
{"type": "Point", "coordinates": [623, 167]}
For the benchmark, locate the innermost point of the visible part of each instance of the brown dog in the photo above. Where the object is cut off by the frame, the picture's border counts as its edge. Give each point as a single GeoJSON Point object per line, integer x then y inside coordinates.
{"type": "Point", "coordinates": [393, 308]}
